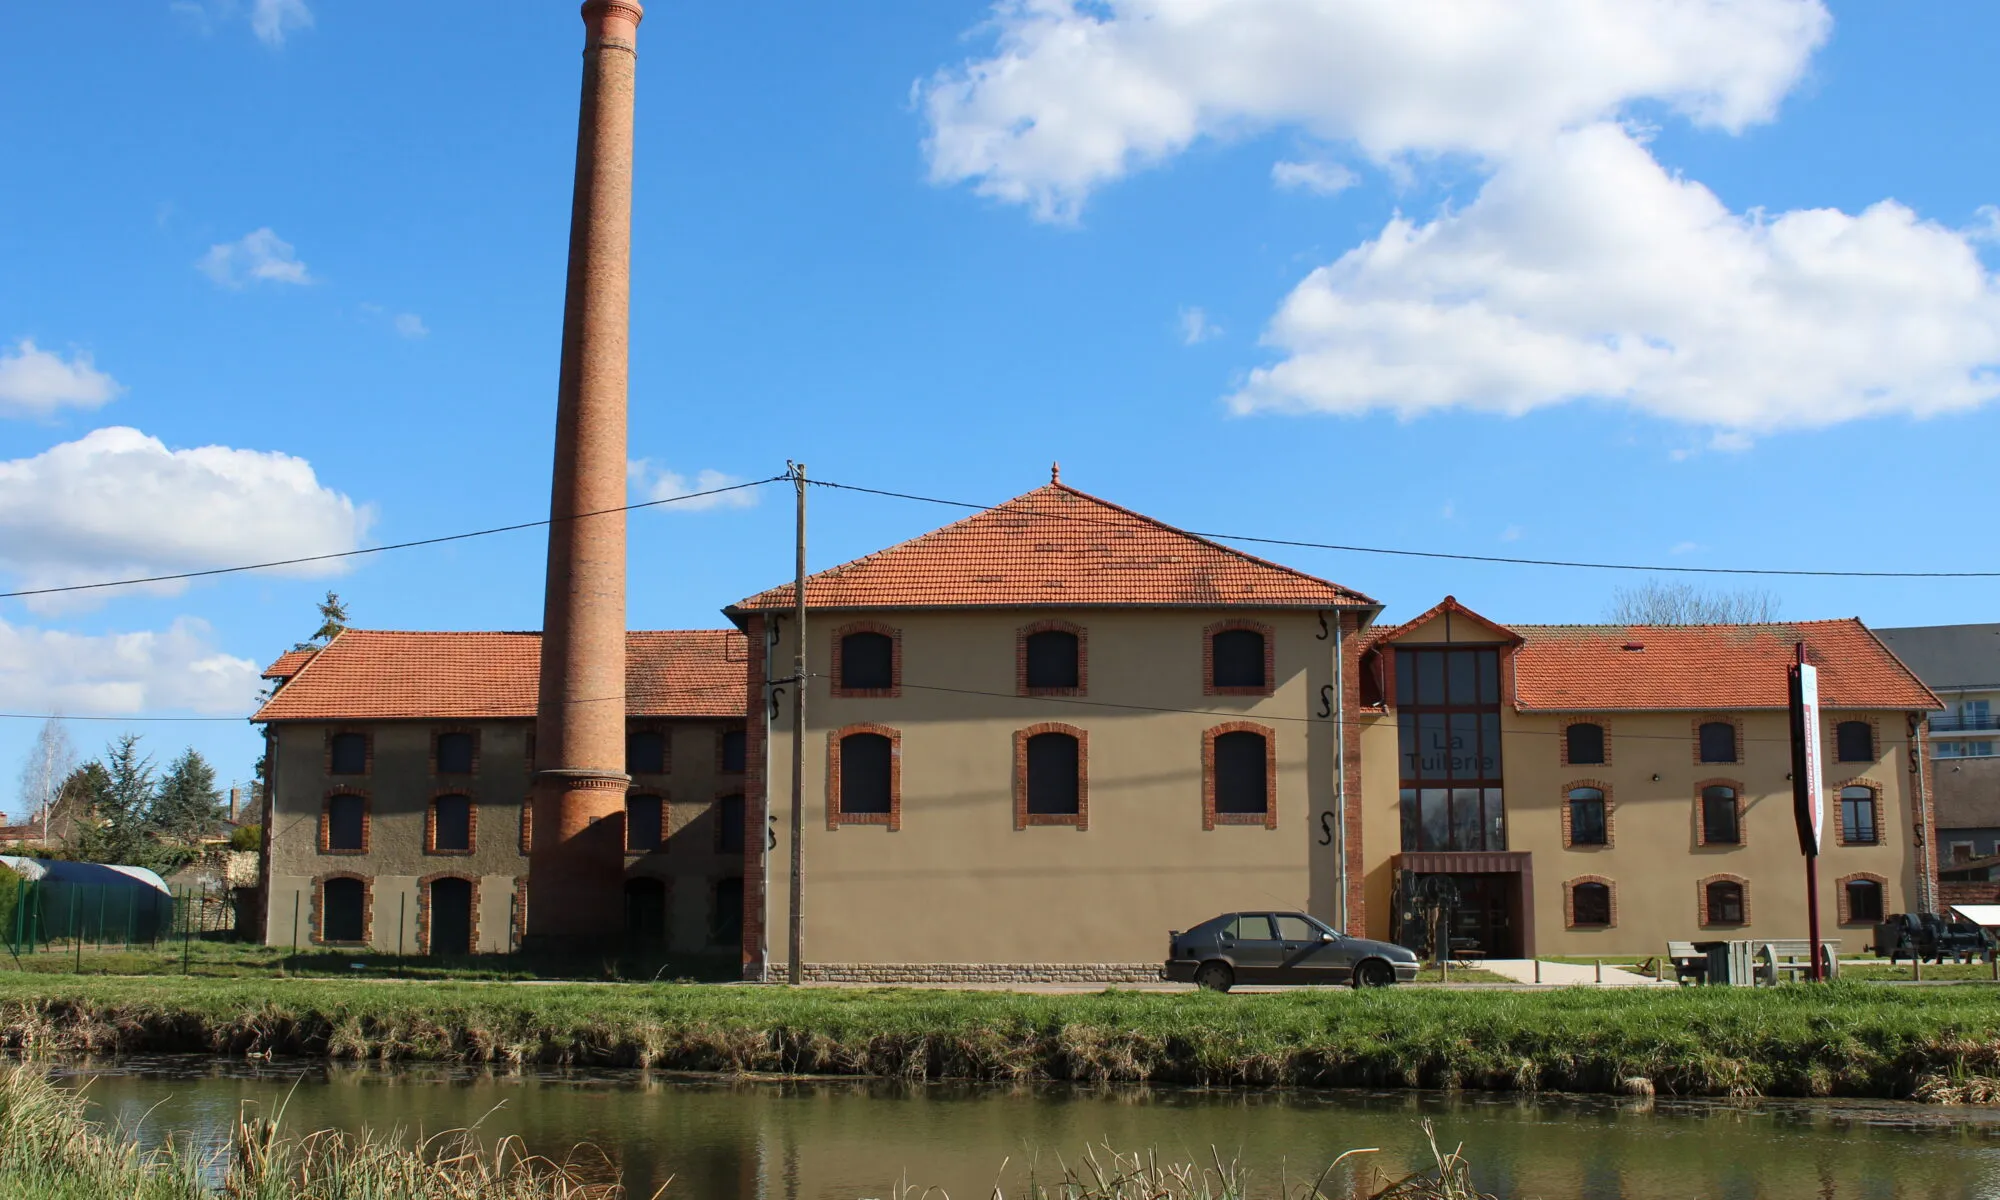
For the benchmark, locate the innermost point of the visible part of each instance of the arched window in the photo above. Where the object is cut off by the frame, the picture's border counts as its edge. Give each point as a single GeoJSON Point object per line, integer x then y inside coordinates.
{"type": "Point", "coordinates": [1054, 771]}
{"type": "Point", "coordinates": [645, 910]}
{"type": "Point", "coordinates": [646, 752]}
{"type": "Point", "coordinates": [348, 754]}
{"type": "Point", "coordinates": [645, 823]}
{"type": "Point", "coordinates": [1854, 741]}
{"type": "Point", "coordinates": [1857, 817]}
{"type": "Point", "coordinates": [455, 753]}
{"type": "Point", "coordinates": [1237, 659]}
{"type": "Point", "coordinates": [1864, 901]}
{"type": "Point", "coordinates": [729, 825]}
{"type": "Point", "coordinates": [1052, 659]}
{"type": "Point", "coordinates": [867, 662]}
{"type": "Point", "coordinates": [347, 823]}
{"type": "Point", "coordinates": [1585, 743]}
{"type": "Point", "coordinates": [865, 774]}
{"type": "Point", "coordinates": [343, 910]}
{"type": "Point", "coordinates": [1720, 823]}
{"type": "Point", "coordinates": [451, 825]}
{"type": "Point", "coordinates": [1590, 904]}
{"type": "Point", "coordinates": [1725, 902]}
{"type": "Point", "coordinates": [1718, 742]}
{"type": "Point", "coordinates": [1587, 826]}
{"type": "Point", "coordinates": [1242, 779]}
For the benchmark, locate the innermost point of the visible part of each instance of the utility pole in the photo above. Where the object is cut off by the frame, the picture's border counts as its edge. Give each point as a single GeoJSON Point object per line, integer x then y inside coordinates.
{"type": "Point", "coordinates": [795, 953]}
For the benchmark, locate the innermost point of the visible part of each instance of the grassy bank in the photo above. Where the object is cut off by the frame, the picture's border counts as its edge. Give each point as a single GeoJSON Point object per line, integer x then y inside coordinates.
{"type": "Point", "coordinates": [218, 959]}
{"type": "Point", "coordinates": [1853, 1039]}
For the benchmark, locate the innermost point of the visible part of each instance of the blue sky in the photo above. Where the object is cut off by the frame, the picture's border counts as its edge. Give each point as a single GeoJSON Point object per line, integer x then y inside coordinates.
{"type": "Point", "coordinates": [1695, 283]}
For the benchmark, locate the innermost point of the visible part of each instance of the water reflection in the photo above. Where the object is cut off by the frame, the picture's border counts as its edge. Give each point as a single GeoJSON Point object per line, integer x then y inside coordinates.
{"type": "Point", "coordinates": [804, 1140]}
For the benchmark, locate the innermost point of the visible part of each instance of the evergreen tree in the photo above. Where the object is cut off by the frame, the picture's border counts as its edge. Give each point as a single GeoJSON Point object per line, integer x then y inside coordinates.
{"type": "Point", "coordinates": [118, 832]}
{"type": "Point", "coordinates": [77, 801]}
{"type": "Point", "coordinates": [187, 803]}
{"type": "Point", "coordinates": [332, 619]}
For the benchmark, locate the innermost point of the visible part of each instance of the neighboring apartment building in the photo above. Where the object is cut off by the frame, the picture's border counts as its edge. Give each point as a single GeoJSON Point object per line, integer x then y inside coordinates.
{"type": "Point", "coordinates": [1961, 663]}
{"type": "Point", "coordinates": [398, 769]}
{"type": "Point", "coordinates": [1601, 789]}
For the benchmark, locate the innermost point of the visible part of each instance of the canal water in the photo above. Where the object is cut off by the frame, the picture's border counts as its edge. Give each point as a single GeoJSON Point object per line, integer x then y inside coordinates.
{"type": "Point", "coordinates": [791, 1140]}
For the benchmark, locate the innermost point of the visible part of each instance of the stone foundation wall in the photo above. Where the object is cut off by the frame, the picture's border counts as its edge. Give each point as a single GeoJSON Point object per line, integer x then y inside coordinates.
{"type": "Point", "coordinates": [976, 972]}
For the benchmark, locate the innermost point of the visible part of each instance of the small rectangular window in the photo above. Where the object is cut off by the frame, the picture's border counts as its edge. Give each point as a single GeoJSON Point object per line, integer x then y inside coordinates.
{"type": "Point", "coordinates": [1718, 742]}
{"type": "Point", "coordinates": [867, 662]}
{"type": "Point", "coordinates": [454, 753]}
{"type": "Point", "coordinates": [645, 823]}
{"type": "Point", "coordinates": [1864, 901]}
{"type": "Point", "coordinates": [1053, 775]}
{"type": "Point", "coordinates": [1857, 816]}
{"type": "Point", "coordinates": [346, 823]}
{"type": "Point", "coordinates": [1586, 817]}
{"type": "Point", "coordinates": [646, 752]}
{"type": "Point", "coordinates": [1237, 658]}
{"type": "Point", "coordinates": [1052, 659]}
{"type": "Point", "coordinates": [349, 754]}
{"type": "Point", "coordinates": [1855, 742]}
{"type": "Point", "coordinates": [1585, 744]}
{"type": "Point", "coordinates": [729, 825]}
{"type": "Point", "coordinates": [451, 829]}
{"type": "Point", "coordinates": [1719, 822]}
{"type": "Point", "coordinates": [1241, 779]}
{"type": "Point", "coordinates": [733, 744]}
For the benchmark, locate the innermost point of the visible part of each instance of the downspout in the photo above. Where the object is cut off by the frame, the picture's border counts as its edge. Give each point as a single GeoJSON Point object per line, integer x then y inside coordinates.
{"type": "Point", "coordinates": [1927, 899]}
{"type": "Point", "coordinates": [1339, 773]}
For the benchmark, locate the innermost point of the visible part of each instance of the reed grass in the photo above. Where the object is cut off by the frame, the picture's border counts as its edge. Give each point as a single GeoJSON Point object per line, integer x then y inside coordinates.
{"type": "Point", "coordinates": [1797, 1040]}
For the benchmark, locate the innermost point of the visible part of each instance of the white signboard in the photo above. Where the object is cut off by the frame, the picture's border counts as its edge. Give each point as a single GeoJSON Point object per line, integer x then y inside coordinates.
{"type": "Point", "coordinates": [1815, 781]}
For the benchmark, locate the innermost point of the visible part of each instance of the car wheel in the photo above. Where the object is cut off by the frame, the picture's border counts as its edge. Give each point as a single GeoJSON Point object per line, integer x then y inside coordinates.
{"type": "Point", "coordinates": [1215, 977]}
{"type": "Point", "coordinates": [1373, 973]}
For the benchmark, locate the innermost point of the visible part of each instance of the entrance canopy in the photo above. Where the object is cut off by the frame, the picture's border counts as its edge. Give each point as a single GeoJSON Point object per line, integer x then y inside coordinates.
{"type": "Point", "coordinates": [1987, 915]}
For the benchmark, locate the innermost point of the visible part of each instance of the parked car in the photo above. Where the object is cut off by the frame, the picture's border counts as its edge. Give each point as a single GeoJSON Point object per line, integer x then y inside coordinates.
{"type": "Point", "coordinates": [1282, 947]}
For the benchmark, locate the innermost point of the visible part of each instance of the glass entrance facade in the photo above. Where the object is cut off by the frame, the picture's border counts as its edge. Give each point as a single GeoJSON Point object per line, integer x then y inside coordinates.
{"type": "Point", "coordinates": [1448, 742]}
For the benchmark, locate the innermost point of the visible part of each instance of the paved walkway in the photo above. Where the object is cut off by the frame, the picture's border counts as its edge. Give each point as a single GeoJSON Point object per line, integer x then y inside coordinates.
{"type": "Point", "coordinates": [1522, 970]}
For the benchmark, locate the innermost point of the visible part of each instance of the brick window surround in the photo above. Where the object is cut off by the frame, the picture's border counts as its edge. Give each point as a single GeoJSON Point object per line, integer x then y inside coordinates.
{"type": "Point", "coordinates": [666, 736]}
{"type": "Point", "coordinates": [519, 915]}
{"type": "Point", "coordinates": [1562, 741]}
{"type": "Point", "coordinates": [1569, 901]}
{"type": "Point", "coordinates": [1701, 819]}
{"type": "Point", "coordinates": [1269, 817]}
{"type": "Point", "coordinates": [895, 636]}
{"type": "Point", "coordinates": [1838, 818]}
{"type": "Point", "coordinates": [666, 820]}
{"type": "Point", "coordinates": [1610, 825]}
{"type": "Point", "coordinates": [367, 751]}
{"type": "Point", "coordinates": [1830, 724]}
{"type": "Point", "coordinates": [1701, 900]}
{"type": "Point", "coordinates": [326, 823]}
{"type": "Point", "coordinates": [1022, 817]}
{"type": "Point", "coordinates": [894, 817]}
{"type": "Point", "coordinates": [464, 729]}
{"type": "Point", "coordinates": [1840, 893]}
{"type": "Point", "coordinates": [424, 908]}
{"type": "Point", "coordinates": [1694, 731]}
{"type": "Point", "coordinates": [471, 823]}
{"type": "Point", "coordinates": [1082, 636]}
{"type": "Point", "coordinates": [722, 766]}
{"type": "Point", "coordinates": [527, 824]}
{"type": "Point", "coordinates": [1208, 687]}
{"type": "Point", "coordinates": [318, 928]}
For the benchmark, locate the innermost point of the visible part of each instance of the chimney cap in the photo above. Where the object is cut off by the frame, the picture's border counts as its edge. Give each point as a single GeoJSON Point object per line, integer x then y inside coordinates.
{"type": "Point", "coordinates": [595, 11]}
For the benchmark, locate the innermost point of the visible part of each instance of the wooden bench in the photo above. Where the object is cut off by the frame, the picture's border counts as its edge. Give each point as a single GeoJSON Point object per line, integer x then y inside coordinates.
{"type": "Point", "coordinates": [1782, 957]}
{"type": "Point", "coordinates": [1689, 963]}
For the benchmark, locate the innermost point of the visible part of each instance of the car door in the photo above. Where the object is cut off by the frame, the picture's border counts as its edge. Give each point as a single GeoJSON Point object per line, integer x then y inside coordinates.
{"type": "Point", "coordinates": [1256, 950]}
{"type": "Point", "coordinates": [1306, 956]}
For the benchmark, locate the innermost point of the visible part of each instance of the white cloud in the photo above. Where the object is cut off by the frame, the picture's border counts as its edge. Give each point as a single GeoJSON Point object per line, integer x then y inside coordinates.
{"type": "Point", "coordinates": [117, 503]}
{"type": "Point", "coordinates": [1511, 534]}
{"type": "Point", "coordinates": [410, 325]}
{"type": "Point", "coordinates": [1583, 269]}
{"type": "Point", "coordinates": [178, 668]}
{"type": "Point", "coordinates": [36, 382]}
{"type": "Point", "coordinates": [1077, 93]}
{"type": "Point", "coordinates": [1687, 548]}
{"type": "Point", "coordinates": [1196, 328]}
{"type": "Point", "coordinates": [259, 256]}
{"type": "Point", "coordinates": [1319, 178]}
{"type": "Point", "coordinates": [271, 20]}
{"type": "Point", "coordinates": [649, 482]}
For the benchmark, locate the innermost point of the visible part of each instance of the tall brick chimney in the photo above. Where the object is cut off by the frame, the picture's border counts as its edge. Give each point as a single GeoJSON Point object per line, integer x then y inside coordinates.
{"type": "Point", "coordinates": [577, 863]}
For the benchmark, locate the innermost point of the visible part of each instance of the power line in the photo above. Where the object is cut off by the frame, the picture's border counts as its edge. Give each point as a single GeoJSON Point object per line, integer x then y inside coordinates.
{"type": "Point", "coordinates": [431, 541]}
{"type": "Point", "coordinates": [1440, 554]}
{"type": "Point", "coordinates": [11, 716]}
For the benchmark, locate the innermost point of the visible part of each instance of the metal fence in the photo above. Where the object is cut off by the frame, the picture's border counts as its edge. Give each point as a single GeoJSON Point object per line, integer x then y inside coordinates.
{"type": "Point", "coordinates": [53, 916]}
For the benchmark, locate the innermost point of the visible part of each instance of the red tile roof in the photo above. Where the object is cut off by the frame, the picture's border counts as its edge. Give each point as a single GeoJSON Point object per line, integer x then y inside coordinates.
{"type": "Point", "coordinates": [1697, 667]}
{"type": "Point", "coordinates": [1059, 547]}
{"type": "Point", "coordinates": [373, 674]}
{"type": "Point", "coordinates": [289, 663]}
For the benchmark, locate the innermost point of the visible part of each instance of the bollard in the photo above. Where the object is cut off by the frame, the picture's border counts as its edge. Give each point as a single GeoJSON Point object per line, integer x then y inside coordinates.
{"type": "Point", "coordinates": [1600, 972]}
{"type": "Point", "coordinates": [1538, 970]}
{"type": "Point", "coordinates": [1917, 964]}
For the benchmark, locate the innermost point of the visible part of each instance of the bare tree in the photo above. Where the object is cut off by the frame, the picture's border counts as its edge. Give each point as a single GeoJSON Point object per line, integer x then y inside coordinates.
{"type": "Point", "coordinates": [50, 760]}
{"type": "Point", "coordinates": [1657, 602]}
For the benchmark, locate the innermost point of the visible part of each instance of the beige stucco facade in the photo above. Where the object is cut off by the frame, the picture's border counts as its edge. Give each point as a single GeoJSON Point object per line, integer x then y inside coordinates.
{"type": "Point", "coordinates": [955, 881]}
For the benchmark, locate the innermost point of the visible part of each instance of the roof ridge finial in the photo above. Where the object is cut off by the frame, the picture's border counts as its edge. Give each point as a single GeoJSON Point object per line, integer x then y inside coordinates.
{"type": "Point", "coordinates": [1055, 472]}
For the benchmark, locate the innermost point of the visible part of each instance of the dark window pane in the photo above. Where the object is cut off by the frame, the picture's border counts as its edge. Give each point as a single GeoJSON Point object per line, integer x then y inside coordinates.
{"type": "Point", "coordinates": [1430, 678]}
{"type": "Point", "coordinates": [1464, 750]}
{"type": "Point", "coordinates": [1406, 677]}
{"type": "Point", "coordinates": [1586, 744]}
{"type": "Point", "coordinates": [726, 924]}
{"type": "Point", "coordinates": [729, 825]}
{"type": "Point", "coordinates": [864, 774]}
{"type": "Point", "coordinates": [1857, 816]}
{"type": "Point", "coordinates": [1052, 774]}
{"type": "Point", "coordinates": [1371, 678]}
{"type": "Point", "coordinates": [645, 910]}
{"type": "Point", "coordinates": [1489, 676]}
{"type": "Point", "coordinates": [1591, 904]}
{"type": "Point", "coordinates": [1864, 900]}
{"type": "Point", "coordinates": [350, 754]}
{"type": "Point", "coordinates": [454, 754]}
{"type": "Point", "coordinates": [341, 905]}
{"type": "Point", "coordinates": [1412, 821]}
{"type": "Point", "coordinates": [867, 660]}
{"type": "Point", "coordinates": [1434, 746]}
{"type": "Point", "coordinates": [1468, 827]}
{"type": "Point", "coordinates": [1586, 817]}
{"type": "Point", "coordinates": [344, 822]}
{"type": "Point", "coordinates": [645, 752]}
{"type": "Point", "coordinates": [1461, 677]}
{"type": "Point", "coordinates": [1052, 660]}
{"type": "Point", "coordinates": [1240, 784]}
{"type": "Point", "coordinates": [733, 743]}
{"type": "Point", "coordinates": [1725, 904]}
{"type": "Point", "coordinates": [1496, 820]}
{"type": "Point", "coordinates": [1718, 742]}
{"type": "Point", "coordinates": [454, 823]}
{"type": "Point", "coordinates": [1718, 816]}
{"type": "Point", "coordinates": [1239, 658]}
{"type": "Point", "coordinates": [1436, 808]}
{"type": "Point", "coordinates": [1489, 745]}
{"type": "Point", "coordinates": [645, 825]}
{"type": "Point", "coordinates": [1855, 742]}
